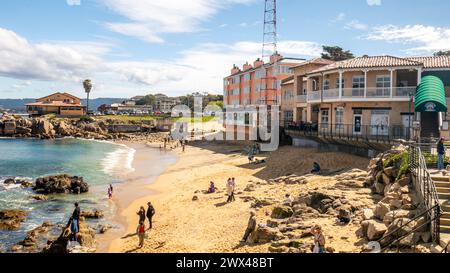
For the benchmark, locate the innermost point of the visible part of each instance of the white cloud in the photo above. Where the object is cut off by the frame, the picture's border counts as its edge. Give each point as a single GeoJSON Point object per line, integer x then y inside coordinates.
{"type": "Point", "coordinates": [148, 19]}
{"type": "Point", "coordinates": [49, 61]}
{"type": "Point", "coordinates": [73, 2]}
{"type": "Point", "coordinates": [428, 39]}
{"type": "Point", "coordinates": [374, 2]}
{"type": "Point", "coordinates": [355, 24]}
{"type": "Point", "coordinates": [66, 64]}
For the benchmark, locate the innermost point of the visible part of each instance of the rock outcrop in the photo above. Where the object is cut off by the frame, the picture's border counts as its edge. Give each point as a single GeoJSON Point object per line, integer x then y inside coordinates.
{"type": "Point", "coordinates": [63, 184]}
{"type": "Point", "coordinates": [11, 219]}
{"type": "Point", "coordinates": [389, 178]}
{"type": "Point", "coordinates": [85, 239]}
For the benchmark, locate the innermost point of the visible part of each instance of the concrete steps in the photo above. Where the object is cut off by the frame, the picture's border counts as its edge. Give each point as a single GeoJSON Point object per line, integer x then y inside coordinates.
{"type": "Point", "coordinates": [442, 184]}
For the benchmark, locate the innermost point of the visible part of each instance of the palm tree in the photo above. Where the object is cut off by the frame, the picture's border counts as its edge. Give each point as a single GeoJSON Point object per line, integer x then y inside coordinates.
{"type": "Point", "coordinates": [87, 84]}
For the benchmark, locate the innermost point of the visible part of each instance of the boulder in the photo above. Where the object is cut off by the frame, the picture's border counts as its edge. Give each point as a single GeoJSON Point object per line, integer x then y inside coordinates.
{"type": "Point", "coordinates": [23, 131]}
{"type": "Point", "coordinates": [42, 127]}
{"type": "Point", "coordinates": [282, 212]}
{"type": "Point", "coordinates": [368, 214]}
{"type": "Point", "coordinates": [404, 181]}
{"type": "Point", "coordinates": [11, 219]}
{"type": "Point", "coordinates": [391, 172]}
{"type": "Point", "coordinates": [40, 197]}
{"type": "Point", "coordinates": [9, 128]}
{"type": "Point", "coordinates": [381, 209]}
{"type": "Point", "coordinates": [375, 230]}
{"type": "Point", "coordinates": [265, 234]}
{"type": "Point", "coordinates": [61, 184]}
{"type": "Point", "coordinates": [395, 214]}
{"type": "Point", "coordinates": [85, 237]}
{"type": "Point", "coordinates": [92, 214]}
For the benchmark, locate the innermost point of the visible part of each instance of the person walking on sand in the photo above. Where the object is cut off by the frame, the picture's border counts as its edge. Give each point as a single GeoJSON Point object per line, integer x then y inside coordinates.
{"type": "Point", "coordinates": [141, 214]}
{"type": "Point", "coordinates": [150, 213]}
{"type": "Point", "coordinates": [75, 225]}
{"type": "Point", "coordinates": [229, 190]}
{"type": "Point", "coordinates": [251, 226]}
{"type": "Point", "coordinates": [141, 233]}
{"type": "Point", "coordinates": [441, 154]}
{"type": "Point", "coordinates": [319, 240]}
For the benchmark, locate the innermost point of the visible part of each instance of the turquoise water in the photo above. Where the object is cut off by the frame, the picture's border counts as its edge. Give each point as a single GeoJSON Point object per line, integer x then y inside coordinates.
{"type": "Point", "coordinates": [99, 163]}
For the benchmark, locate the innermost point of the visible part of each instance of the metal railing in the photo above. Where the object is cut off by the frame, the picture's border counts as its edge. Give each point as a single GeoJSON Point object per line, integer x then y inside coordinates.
{"type": "Point", "coordinates": [425, 187]}
{"type": "Point", "coordinates": [354, 131]}
{"type": "Point", "coordinates": [432, 211]}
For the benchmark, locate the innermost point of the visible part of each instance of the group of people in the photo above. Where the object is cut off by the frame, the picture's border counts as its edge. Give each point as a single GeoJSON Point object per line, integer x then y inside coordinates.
{"type": "Point", "coordinates": [231, 187]}
{"type": "Point", "coordinates": [142, 216]}
{"type": "Point", "coordinates": [167, 141]}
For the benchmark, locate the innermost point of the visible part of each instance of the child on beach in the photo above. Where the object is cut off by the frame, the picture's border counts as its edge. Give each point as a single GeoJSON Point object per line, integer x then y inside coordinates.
{"type": "Point", "coordinates": [141, 233]}
{"type": "Point", "coordinates": [212, 187]}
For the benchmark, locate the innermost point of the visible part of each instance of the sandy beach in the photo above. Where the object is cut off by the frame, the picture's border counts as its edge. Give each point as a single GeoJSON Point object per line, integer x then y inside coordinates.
{"type": "Point", "coordinates": [210, 224]}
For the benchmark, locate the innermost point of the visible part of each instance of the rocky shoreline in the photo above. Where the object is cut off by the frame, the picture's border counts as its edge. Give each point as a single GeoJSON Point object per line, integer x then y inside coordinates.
{"type": "Point", "coordinates": [86, 127]}
{"type": "Point", "coordinates": [48, 237]}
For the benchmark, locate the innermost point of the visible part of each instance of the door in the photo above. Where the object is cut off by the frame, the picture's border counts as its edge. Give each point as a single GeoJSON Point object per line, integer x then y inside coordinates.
{"type": "Point", "coordinates": [407, 122]}
{"type": "Point", "coordinates": [380, 123]}
{"type": "Point", "coordinates": [357, 124]}
{"type": "Point", "coordinates": [429, 124]}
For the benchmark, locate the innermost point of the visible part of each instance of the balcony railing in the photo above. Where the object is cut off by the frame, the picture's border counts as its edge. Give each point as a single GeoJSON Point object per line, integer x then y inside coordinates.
{"type": "Point", "coordinates": [363, 93]}
{"type": "Point", "coordinates": [353, 131]}
{"type": "Point", "coordinates": [314, 96]}
{"type": "Point", "coordinates": [301, 98]}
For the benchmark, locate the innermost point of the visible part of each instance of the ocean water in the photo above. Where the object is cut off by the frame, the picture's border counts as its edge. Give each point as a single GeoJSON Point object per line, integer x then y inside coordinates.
{"type": "Point", "coordinates": [99, 163]}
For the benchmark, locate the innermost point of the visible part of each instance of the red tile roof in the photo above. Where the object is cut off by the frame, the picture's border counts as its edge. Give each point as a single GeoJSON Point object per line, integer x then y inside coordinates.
{"type": "Point", "coordinates": [54, 103]}
{"type": "Point", "coordinates": [315, 61]}
{"type": "Point", "coordinates": [433, 62]}
{"type": "Point", "coordinates": [369, 62]}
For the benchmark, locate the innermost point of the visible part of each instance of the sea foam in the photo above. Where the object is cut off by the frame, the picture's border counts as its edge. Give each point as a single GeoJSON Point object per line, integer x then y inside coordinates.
{"type": "Point", "coordinates": [120, 161]}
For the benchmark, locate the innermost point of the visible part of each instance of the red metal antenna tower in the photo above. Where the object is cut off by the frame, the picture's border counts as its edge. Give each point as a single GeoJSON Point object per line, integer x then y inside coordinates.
{"type": "Point", "coordinates": [270, 29]}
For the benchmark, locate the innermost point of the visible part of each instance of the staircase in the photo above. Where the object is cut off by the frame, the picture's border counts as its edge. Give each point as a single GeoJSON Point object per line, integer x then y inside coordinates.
{"type": "Point", "coordinates": [442, 184]}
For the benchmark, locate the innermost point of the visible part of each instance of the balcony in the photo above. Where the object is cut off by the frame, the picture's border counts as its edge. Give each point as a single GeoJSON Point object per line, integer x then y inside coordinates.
{"type": "Point", "coordinates": [301, 98]}
{"type": "Point", "coordinates": [314, 96]}
{"type": "Point", "coordinates": [363, 94]}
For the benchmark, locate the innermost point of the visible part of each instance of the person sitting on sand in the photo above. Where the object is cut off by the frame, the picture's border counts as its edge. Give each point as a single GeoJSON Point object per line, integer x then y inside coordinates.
{"type": "Point", "coordinates": [141, 233]}
{"type": "Point", "coordinates": [212, 187]}
{"type": "Point", "coordinates": [288, 201]}
{"type": "Point", "coordinates": [319, 240]}
{"type": "Point", "coordinates": [141, 214]}
{"type": "Point", "coordinates": [316, 168]}
{"type": "Point", "coordinates": [251, 226]}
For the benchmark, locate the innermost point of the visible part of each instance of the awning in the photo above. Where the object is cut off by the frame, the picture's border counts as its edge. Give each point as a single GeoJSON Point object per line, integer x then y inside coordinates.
{"type": "Point", "coordinates": [430, 95]}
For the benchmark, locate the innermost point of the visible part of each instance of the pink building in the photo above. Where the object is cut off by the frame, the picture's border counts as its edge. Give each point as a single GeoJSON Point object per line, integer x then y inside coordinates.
{"type": "Point", "coordinates": [260, 83]}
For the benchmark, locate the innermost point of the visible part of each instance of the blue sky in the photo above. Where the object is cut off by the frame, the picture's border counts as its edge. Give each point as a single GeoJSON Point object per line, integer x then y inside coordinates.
{"type": "Point", "coordinates": [131, 47]}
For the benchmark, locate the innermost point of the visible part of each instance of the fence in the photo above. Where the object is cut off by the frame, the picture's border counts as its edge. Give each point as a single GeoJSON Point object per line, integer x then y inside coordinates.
{"type": "Point", "coordinates": [354, 131]}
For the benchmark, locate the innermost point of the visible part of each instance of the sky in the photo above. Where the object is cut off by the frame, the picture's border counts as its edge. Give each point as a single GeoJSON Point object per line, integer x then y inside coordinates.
{"type": "Point", "coordinates": [136, 47]}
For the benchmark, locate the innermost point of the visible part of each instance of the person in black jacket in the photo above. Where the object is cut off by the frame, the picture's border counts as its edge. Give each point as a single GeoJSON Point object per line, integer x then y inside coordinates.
{"type": "Point", "coordinates": [141, 214]}
{"type": "Point", "coordinates": [441, 154]}
{"type": "Point", "coordinates": [75, 225]}
{"type": "Point", "coordinates": [150, 213]}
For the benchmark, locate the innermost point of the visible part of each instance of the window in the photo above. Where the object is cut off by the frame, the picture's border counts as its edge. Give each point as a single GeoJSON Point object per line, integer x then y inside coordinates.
{"type": "Point", "coordinates": [288, 116]}
{"type": "Point", "coordinates": [358, 86]}
{"type": "Point", "coordinates": [246, 77]}
{"type": "Point", "coordinates": [236, 91]}
{"type": "Point", "coordinates": [247, 89]}
{"type": "Point", "coordinates": [324, 119]}
{"type": "Point", "coordinates": [260, 74]}
{"type": "Point", "coordinates": [337, 83]}
{"type": "Point", "coordinates": [326, 85]}
{"type": "Point", "coordinates": [236, 79]}
{"type": "Point", "coordinates": [276, 85]}
{"type": "Point", "coordinates": [339, 118]}
{"type": "Point", "coordinates": [383, 86]}
{"type": "Point", "coordinates": [284, 70]}
{"type": "Point", "coordinates": [288, 95]}
{"type": "Point", "coordinates": [258, 88]}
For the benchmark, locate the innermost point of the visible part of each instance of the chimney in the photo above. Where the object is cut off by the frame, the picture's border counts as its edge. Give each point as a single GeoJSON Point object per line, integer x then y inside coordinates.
{"type": "Point", "coordinates": [258, 63]}
{"type": "Point", "coordinates": [247, 66]}
{"type": "Point", "coordinates": [275, 57]}
{"type": "Point", "coordinates": [235, 70]}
